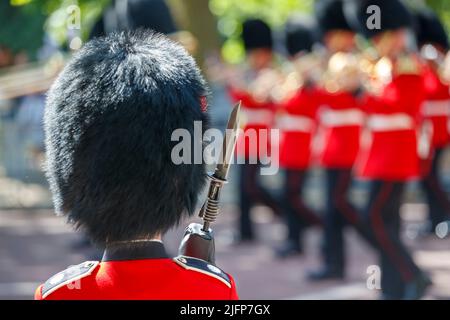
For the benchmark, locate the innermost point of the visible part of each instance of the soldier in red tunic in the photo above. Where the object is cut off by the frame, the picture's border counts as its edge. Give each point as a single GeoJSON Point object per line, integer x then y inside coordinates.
{"type": "Point", "coordinates": [390, 158]}
{"type": "Point", "coordinates": [109, 121]}
{"type": "Point", "coordinates": [433, 42]}
{"type": "Point", "coordinates": [252, 86]}
{"type": "Point", "coordinates": [340, 120]}
{"type": "Point", "coordinates": [296, 120]}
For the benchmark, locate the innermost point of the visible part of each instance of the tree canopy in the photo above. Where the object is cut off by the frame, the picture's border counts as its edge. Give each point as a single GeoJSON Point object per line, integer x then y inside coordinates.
{"type": "Point", "coordinates": [23, 21]}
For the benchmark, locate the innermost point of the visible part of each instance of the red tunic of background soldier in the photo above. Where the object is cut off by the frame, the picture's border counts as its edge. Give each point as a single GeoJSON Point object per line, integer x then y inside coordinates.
{"type": "Point", "coordinates": [340, 121]}
{"type": "Point", "coordinates": [433, 42]}
{"type": "Point", "coordinates": [109, 121]}
{"type": "Point", "coordinates": [390, 158]}
{"type": "Point", "coordinates": [296, 120]}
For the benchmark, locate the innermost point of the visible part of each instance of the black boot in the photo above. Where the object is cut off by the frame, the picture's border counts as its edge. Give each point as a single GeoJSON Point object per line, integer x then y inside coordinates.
{"type": "Point", "coordinates": [325, 274]}
{"type": "Point", "coordinates": [242, 239]}
{"type": "Point", "coordinates": [288, 249]}
{"type": "Point", "coordinates": [415, 289]}
{"type": "Point", "coordinates": [388, 296]}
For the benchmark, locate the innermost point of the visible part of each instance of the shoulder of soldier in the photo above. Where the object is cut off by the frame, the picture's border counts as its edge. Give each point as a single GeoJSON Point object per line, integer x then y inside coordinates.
{"type": "Point", "coordinates": [66, 278]}
{"type": "Point", "coordinates": [204, 267]}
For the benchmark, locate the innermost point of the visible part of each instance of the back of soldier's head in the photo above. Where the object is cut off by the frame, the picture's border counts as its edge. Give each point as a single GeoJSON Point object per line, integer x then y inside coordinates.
{"type": "Point", "coordinates": [374, 17]}
{"type": "Point", "coordinates": [430, 30]}
{"type": "Point", "coordinates": [256, 34]}
{"type": "Point", "coordinates": [300, 35]}
{"type": "Point", "coordinates": [108, 122]}
{"type": "Point", "coordinates": [335, 32]}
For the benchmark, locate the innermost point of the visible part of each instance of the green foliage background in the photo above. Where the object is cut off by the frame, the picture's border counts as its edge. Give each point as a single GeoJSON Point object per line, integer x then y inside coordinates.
{"type": "Point", "coordinates": [24, 22]}
{"type": "Point", "coordinates": [231, 13]}
{"type": "Point", "coordinates": [442, 7]}
{"type": "Point", "coordinates": [23, 30]}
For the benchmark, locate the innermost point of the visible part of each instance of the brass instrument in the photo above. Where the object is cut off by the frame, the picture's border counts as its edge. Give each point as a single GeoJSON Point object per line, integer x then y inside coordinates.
{"type": "Point", "coordinates": [305, 69]}
{"type": "Point", "coordinates": [439, 61]}
{"type": "Point", "coordinates": [343, 73]}
{"type": "Point", "coordinates": [366, 71]}
{"type": "Point", "coordinates": [445, 69]}
{"type": "Point", "coordinates": [309, 67]}
{"type": "Point", "coordinates": [29, 78]}
{"type": "Point", "coordinates": [287, 86]}
{"type": "Point", "coordinates": [376, 72]}
{"type": "Point", "coordinates": [262, 86]}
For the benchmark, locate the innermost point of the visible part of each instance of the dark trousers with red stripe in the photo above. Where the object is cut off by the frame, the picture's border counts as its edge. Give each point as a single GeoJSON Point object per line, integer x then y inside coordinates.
{"type": "Point", "coordinates": [438, 203]}
{"type": "Point", "coordinates": [252, 192]}
{"type": "Point", "coordinates": [338, 213]}
{"type": "Point", "coordinates": [383, 217]}
{"type": "Point", "coordinates": [296, 213]}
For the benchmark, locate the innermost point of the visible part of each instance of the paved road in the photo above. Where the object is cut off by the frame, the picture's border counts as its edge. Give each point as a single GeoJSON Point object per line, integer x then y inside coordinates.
{"type": "Point", "coordinates": [36, 244]}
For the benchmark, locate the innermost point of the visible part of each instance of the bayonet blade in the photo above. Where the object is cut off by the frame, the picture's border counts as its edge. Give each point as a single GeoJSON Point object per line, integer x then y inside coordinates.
{"type": "Point", "coordinates": [229, 144]}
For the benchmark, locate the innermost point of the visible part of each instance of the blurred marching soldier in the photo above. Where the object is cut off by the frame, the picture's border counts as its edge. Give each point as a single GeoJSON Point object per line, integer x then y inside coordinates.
{"type": "Point", "coordinates": [109, 120]}
{"type": "Point", "coordinates": [390, 158]}
{"type": "Point", "coordinates": [433, 44]}
{"type": "Point", "coordinates": [340, 120]}
{"type": "Point", "coordinates": [296, 121]}
{"type": "Point", "coordinates": [253, 86]}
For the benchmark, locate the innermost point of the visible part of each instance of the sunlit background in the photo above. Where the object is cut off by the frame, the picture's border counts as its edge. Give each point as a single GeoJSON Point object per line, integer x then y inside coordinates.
{"type": "Point", "coordinates": [34, 244]}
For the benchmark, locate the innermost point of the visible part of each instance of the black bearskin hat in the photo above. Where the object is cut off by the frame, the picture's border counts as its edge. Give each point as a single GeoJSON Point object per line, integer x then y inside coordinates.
{"type": "Point", "coordinates": [394, 15]}
{"type": "Point", "coordinates": [123, 15]}
{"type": "Point", "coordinates": [330, 15]}
{"type": "Point", "coordinates": [299, 35]}
{"type": "Point", "coordinates": [108, 123]}
{"type": "Point", "coordinates": [151, 14]}
{"type": "Point", "coordinates": [429, 29]}
{"type": "Point", "coordinates": [256, 34]}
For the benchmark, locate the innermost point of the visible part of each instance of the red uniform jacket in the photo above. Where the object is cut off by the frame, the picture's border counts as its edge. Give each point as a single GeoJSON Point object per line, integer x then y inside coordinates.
{"type": "Point", "coordinates": [258, 119]}
{"type": "Point", "coordinates": [436, 107]}
{"type": "Point", "coordinates": [296, 123]}
{"type": "Point", "coordinates": [391, 153]}
{"type": "Point", "coordinates": [341, 119]}
{"type": "Point", "coordinates": [144, 272]}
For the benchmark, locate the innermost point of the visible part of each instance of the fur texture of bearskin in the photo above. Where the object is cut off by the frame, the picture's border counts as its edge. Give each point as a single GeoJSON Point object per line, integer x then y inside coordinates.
{"type": "Point", "coordinates": [108, 123]}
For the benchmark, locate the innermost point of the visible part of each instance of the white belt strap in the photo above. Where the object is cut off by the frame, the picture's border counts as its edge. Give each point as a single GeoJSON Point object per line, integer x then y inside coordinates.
{"type": "Point", "coordinates": [436, 108]}
{"type": "Point", "coordinates": [342, 118]}
{"type": "Point", "coordinates": [390, 122]}
{"type": "Point", "coordinates": [288, 122]}
{"type": "Point", "coordinates": [258, 116]}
